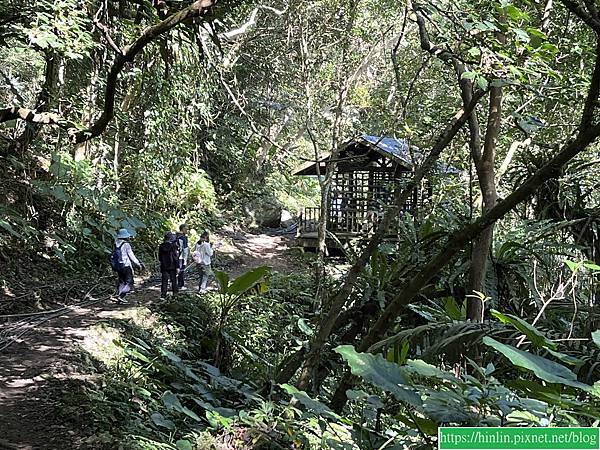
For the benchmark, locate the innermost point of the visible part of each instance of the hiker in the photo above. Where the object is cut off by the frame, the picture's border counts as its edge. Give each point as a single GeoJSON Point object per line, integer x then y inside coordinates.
{"type": "Point", "coordinates": [122, 260]}
{"type": "Point", "coordinates": [202, 256]}
{"type": "Point", "coordinates": [184, 251]}
{"type": "Point", "coordinates": [168, 256]}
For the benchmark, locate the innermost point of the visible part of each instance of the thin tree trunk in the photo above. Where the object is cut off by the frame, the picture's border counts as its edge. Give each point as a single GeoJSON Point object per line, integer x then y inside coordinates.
{"type": "Point", "coordinates": [487, 182]}
{"type": "Point", "coordinates": [46, 98]}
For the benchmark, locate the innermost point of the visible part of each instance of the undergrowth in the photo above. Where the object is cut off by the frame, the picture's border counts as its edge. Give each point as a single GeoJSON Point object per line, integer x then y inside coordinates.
{"type": "Point", "coordinates": [159, 388]}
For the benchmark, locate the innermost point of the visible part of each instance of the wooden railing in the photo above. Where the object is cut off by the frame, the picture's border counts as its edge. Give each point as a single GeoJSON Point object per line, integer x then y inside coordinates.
{"type": "Point", "coordinates": [309, 219]}
{"type": "Point", "coordinates": [349, 221]}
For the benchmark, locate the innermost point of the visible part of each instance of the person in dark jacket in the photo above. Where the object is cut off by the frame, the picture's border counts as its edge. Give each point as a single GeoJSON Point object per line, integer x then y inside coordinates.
{"type": "Point", "coordinates": [168, 256]}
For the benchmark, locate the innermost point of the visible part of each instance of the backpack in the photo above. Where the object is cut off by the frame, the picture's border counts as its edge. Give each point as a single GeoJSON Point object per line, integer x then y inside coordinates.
{"type": "Point", "coordinates": [168, 255]}
{"type": "Point", "coordinates": [116, 258]}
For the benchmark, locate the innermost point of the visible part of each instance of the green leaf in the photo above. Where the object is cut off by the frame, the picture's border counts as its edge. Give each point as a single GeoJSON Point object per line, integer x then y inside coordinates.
{"type": "Point", "coordinates": [572, 265]}
{"type": "Point", "coordinates": [170, 355]}
{"type": "Point", "coordinates": [469, 75]}
{"type": "Point", "coordinates": [533, 334]}
{"type": "Point", "coordinates": [305, 328]}
{"type": "Point", "coordinates": [184, 444]}
{"type": "Point", "coordinates": [543, 368]}
{"type": "Point", "coordinates": [482, 82]}
{"type": "Point", "coordinates": [223, 280]}
{"type": "Point", "coordinates": [8, 227]}
{"type": "Point", "coordinates": [312, 404]}
{"type": "Point", "coordinates": [136, 354]}
{"type": "Point", "coordinates": [596, 337]}
{"type": "Point", "coordinates": [171, 401]}
{"type": "Point", "coordinates": [452, 309]}
{"type": "Point", "coordinates": [567, 359]}
{"type": "Point", "coordinates": [515, 13]}
{"type": "Point", "coordinates": [383, 374]}
{"type": "Point", "coordinates": [592, 266]}
{"type": "Point", "coordinates": [474, 52]}
{"type": "Point", "coordinates": [424, 369]}
{"type": "Point", "coordinates": [190, 413]}
{"type": "Point", "coordinates": [161, 421]}
{"type": "Point", "coordinates": [246, 281]}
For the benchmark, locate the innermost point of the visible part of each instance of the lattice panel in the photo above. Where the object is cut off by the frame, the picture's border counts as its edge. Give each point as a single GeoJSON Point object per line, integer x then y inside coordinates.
{"type": "Point", "coordinates": [358, 200]}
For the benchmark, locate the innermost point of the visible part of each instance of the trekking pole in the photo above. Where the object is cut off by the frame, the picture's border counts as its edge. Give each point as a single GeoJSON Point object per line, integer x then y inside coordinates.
{"type": "Point", "coordinates": [190, 266]}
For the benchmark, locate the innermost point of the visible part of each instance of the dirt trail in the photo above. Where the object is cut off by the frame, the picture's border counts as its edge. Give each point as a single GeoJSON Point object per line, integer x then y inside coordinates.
{"type": "Point", "coordinates": [37, 370]}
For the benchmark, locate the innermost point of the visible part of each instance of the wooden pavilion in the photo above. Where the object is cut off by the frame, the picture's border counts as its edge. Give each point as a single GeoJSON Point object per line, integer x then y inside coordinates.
{"type": "Point", "coordinates": [369, 169]}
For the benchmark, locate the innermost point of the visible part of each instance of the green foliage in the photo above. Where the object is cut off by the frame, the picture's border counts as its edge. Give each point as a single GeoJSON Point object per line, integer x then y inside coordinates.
{"type": "Point", "coordinates": [543, 368]}
{"type": "Point", "coordinates": [375, 369]}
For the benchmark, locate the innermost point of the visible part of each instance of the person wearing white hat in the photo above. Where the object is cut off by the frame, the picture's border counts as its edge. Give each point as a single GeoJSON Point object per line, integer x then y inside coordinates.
{"type": "Point", "coordinates": [128, 258]}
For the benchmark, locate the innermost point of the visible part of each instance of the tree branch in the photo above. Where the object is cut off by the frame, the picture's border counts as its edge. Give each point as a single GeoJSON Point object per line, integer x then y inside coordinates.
{"type": "Point", "coordinates": [591, 101]}
{"type": "Point", "coordinates": [30, 115]}
{"type": "Point", "coordinates": [576, 8]}
{"type": "Point", "coordinates": [235, 34]}
{"type": "Point", "coordinates": [106, 33]}
{"type": "Point", "coordinates": [12, 86]}
{"type": "Point", "coordinates": [197, 9]}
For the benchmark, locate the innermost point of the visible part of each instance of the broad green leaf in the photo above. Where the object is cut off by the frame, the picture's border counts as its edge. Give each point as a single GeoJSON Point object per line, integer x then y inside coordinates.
{"type": "Point", "coordinates": [383, 374]}
{"type": "Point", "coordinates": [136, 354]}
{"type": "Point", "coordinates": [596, 337]}
{"type": "Point", "coordinates": [447, 406]}
{"type": "Point", "coordinates": [521, 34]}
{"type": "Point", "coordinates": [427, 426]}
{"type": "Point", "coordinates": [452, 309]}
{"type": "Point", "coordinates": [170, 355]}
{"type": "Point", "coordinates": [356, 395]}
{"type": "Point", "coordinates": [474, 52]}
{"type": "Point", "coordinates": [482, 82]}
{"type": "Point", "coordinates": [516, 13]}
{"type": "Point", "coordinates": [567, 359]}
{"type": "Point", "coordinates": [223, 280]}
{"type": "Point", "coordinates": [596, 389]}
{"type": "Point", "coordinates": [171, 401]}
{"type": "Point", "coordinates": [161, 421]}
{"type": "Point", "coordinates": [8, 227]}
{"type": "Point", "coordinates": [592, 266]}
{"type": "Point", "coordinates": [536, 337]}
{"type": "Point", "coordinates": [246, 281]}
{"type": "Point", "coordinates": [543, 368]}
{"type": "Point", "coordinates": [424, 369]}
{"type": "Point", "coordinates": [190, 413]}
{"type": "Point", "coordinates": [184, 444]}
{"type": "Point", "coordinates": [312, 404]}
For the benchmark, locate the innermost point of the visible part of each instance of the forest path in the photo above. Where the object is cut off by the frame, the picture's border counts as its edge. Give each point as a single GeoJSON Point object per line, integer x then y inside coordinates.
{"type": "Point", "coordinates": [41, 368]}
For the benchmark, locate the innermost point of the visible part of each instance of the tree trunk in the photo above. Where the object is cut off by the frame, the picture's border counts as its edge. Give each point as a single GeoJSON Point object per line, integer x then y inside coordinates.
{"type": "Point", "coordinates": [46, 98]}
{"type": "Point", "coordinates": [487, 182]}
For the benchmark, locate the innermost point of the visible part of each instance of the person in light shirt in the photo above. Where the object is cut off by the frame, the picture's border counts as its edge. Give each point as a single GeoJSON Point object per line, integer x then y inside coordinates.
{"type": "Point", "coordinates": [128, 259]}
{"type": "Point", "coordinates": [203, 257]}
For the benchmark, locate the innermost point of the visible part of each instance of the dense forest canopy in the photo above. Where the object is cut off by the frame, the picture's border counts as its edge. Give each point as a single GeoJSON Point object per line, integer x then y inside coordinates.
{"type": "Point", "coordinates": [482, 310]}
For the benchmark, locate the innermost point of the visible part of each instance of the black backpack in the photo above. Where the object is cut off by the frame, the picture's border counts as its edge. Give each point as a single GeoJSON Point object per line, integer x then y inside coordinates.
{"type": "Point", "coordinates": [168, 255]}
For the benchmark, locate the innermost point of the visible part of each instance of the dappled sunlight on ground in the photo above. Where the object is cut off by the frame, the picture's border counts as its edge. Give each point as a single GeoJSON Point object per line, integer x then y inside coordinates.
{"type": "Point", "coordinates": [38, 369]}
